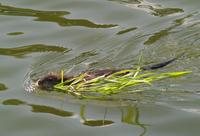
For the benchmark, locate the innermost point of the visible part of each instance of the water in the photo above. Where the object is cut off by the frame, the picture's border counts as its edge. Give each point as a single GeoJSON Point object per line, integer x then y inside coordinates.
{"type": "Point", "coordinates": [42, 36]}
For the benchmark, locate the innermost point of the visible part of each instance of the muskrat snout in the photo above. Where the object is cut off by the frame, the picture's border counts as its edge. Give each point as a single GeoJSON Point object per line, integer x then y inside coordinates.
{"type": "Point", "coordinates": [47, 83]}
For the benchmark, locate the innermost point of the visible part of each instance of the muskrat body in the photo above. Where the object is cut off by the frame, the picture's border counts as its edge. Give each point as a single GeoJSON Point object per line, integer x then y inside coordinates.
{"type": "Point", "coordinates": [47, 82]}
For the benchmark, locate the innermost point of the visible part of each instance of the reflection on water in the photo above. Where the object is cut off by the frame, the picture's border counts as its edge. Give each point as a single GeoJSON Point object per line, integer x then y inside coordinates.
{"type": "Point", "coordinates": [166, 11]}
{"type": "Point", "coordinates": [2, 87]}
{"type": "Point", "coordinates": [39, 108]}
{"type": "Point", "coordinates": [15, 33]}
{"type": "Point", "coordinates": [50, 16]}
{"type": "Point", "coordinates": [20, 52]}
{"type": "Point", "coordinates": [93, 122]}
{"type": "Point", "coordinates": [129, 114]}
{"type": "Point", "coordinates": [153, 8]}
{"type": "Point", "coordinates": [13, 102]}
{"type": "Point", "coordinates": [51, 110]}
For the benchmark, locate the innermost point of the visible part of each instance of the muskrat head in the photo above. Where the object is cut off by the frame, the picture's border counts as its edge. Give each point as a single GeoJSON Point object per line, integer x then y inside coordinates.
{"type": "Point", "coordinates": [48, 82]}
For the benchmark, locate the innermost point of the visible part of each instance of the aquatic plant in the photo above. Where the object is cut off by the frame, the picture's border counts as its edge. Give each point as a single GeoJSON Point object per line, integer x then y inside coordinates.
{"type": "Point", "coordinates": [121, 81]}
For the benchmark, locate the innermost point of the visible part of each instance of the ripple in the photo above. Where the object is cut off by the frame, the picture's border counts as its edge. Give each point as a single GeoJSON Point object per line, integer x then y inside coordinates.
{"type": "Point", "coordinates": [15, 33]}
{"type": "Point", "coordinates": [126, 31]}
{"type": "Point", "coordinates": [54, 63]}
{"type": "Point", "coordinates": [165, 32]}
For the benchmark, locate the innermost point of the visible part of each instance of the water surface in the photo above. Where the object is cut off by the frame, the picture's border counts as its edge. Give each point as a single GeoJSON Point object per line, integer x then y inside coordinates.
{"type": "Point", "coordinates": [38, 37]}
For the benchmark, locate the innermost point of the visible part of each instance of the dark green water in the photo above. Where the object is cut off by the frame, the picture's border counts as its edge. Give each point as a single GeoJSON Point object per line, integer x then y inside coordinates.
{"type": "Point", "coordinates": [41, 36]}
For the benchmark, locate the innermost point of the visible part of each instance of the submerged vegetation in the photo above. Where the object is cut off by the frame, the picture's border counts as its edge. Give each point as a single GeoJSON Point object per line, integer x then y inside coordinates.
{"type": "Point", "coordinates": [121, 81]}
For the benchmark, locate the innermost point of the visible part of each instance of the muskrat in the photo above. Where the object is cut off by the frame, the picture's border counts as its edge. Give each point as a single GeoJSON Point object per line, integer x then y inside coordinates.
{"type": "Point", "coordinates": [47, 82]}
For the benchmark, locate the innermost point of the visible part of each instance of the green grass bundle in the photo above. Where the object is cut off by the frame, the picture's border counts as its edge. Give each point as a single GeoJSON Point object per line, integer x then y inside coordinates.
{"type": "Point", "coordinates": [112, 84]}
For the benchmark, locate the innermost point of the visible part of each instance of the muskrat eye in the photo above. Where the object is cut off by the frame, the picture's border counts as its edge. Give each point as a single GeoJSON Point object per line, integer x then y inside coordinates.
{"type": "Point", "coordinates": [39, 82]}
